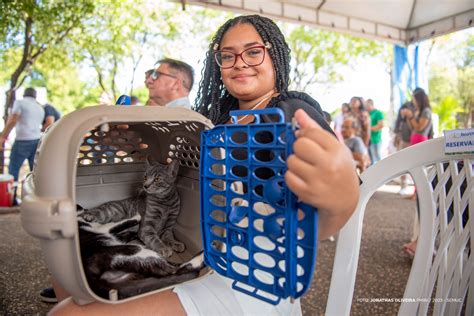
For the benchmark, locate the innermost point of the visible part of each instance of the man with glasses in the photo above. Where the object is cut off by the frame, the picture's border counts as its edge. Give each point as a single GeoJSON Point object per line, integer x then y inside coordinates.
{"type": "Point", "coordinates": [169, 84]}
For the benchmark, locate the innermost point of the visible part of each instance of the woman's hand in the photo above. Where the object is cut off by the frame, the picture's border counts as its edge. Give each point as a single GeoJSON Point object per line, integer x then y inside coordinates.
{"type": "Point", "coordinates": [321, 173]}
{"type": "Point", "coordinates": [406, 113]}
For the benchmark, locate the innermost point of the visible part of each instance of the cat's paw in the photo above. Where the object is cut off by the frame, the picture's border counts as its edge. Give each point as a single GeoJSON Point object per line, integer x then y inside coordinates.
{"type": "Point", "coordinates": [164, 252]}
{"type": "Point", "coordinates": [177, 246]}
{"type": "Point", "coordinates": [88, 217]}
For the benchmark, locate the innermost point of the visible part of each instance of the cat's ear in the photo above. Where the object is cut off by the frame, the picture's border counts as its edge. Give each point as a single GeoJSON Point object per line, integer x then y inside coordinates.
{"type": "Point", "coordinates": [150, 161]}
{"type": "Point", "coordinates": [173, 167]}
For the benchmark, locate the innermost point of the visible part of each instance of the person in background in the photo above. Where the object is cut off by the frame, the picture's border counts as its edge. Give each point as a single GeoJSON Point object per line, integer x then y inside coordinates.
{"type": "Point", "coordinates": [402, 140]}
{"type": "Point", "coordinates": [361, 118]}
{"type": "Point", "coordinates": [148, 84]}
{"type": "Point", "coordinates": [419, 119]}
{"type": "Point", "coordinates": [27, 117]}
{"type": "Point", "coordinates": [420, 122]}
{"type": "Point", "coordinates": [355, 144]}
{"type": "Point", "coordinates": [51, 115]}
{"type": "Point", "coordinates": [247, 66]}
{"type": "Point", "coordinates": [134, 100]}
{"type": "Point", "coordinates": [339, 119]}
{"type": "Point", "coordinates": [376, 126]}
{"type": "Point", "coordinates": [328, 118]}
{"type": "Point", "coordinates": [169, 84]}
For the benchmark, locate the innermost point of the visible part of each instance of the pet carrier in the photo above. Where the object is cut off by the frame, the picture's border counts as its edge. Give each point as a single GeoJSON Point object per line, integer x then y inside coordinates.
{"type": "Point", "coordinates": [251, 227]}
{"type": "Point", "coordinates": [98, 154]}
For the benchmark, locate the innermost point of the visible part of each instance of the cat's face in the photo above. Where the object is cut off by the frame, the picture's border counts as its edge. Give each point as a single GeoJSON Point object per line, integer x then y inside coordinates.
{"type": "Point", "coordinates": [159, 178]}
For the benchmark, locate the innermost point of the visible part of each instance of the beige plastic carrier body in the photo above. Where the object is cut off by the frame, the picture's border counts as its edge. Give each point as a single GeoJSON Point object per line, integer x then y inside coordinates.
{"type": "Point", "coordinates": [97, 154]}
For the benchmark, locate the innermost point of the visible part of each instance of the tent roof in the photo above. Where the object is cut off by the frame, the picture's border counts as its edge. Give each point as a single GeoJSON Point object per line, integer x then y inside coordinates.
{"type": "Point", "coordinates": [398, 21]}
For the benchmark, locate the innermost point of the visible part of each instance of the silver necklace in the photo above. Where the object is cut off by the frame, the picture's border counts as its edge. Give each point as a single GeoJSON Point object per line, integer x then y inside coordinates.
{"type": "Point", "coordinates": [253, 107]}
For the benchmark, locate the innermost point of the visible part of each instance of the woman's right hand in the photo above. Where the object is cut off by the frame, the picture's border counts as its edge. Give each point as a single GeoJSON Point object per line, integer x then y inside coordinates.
{"type": "Point", "coordinates": [321, 173]}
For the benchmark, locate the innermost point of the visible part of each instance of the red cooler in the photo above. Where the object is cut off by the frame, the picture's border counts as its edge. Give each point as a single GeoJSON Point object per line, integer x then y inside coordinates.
{"type": "Point", "coordinates": [6, 190]}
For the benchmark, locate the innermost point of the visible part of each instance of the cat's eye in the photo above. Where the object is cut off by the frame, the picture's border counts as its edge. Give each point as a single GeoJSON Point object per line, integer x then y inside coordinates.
{"type": "Point", "coordinates": [157, 179]}
{"type": "Point", "coordinates": [144, 178]}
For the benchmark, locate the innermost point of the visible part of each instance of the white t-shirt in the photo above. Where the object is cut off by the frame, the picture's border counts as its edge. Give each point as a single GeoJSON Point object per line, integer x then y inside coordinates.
{"type": "Point", "coordinates": [31, 119]}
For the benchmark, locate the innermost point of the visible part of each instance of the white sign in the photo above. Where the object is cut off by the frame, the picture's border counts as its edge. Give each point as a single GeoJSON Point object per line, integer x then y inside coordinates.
{"type": "Point", "coordinates": [459, 141]}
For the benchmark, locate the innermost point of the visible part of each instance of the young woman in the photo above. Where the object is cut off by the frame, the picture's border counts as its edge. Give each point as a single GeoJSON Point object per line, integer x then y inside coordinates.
{"type": "Point", "coordinates": [420, 123]}
{"type": "Point", "coordinates": [420, 120]}
{"type": "Point", "coordinates": [247, 67]}
{"type": "Point", "coordinates": [362, 118]}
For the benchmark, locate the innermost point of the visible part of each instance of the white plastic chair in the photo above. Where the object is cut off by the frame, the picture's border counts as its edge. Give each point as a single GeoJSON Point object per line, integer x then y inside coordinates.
{"type": "Point", "coordinates": [445, 277]}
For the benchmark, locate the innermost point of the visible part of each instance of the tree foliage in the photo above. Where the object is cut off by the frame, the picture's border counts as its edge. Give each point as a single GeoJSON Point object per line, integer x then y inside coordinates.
{"type": "Point", "coordinates": [451, 82]}
{"type": "Point", "coordinates": [31, 27]}
{"type": "Point", "coordinates": [118, 32]}
{"type": "Point", "coordinates": [446, 110]}
{"type": "Point", "coordinates": [107, 48]}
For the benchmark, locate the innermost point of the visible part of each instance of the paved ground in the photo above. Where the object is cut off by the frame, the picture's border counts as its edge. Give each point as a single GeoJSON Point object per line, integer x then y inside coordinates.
{"type": "Point", "coordinates": [383, 268]}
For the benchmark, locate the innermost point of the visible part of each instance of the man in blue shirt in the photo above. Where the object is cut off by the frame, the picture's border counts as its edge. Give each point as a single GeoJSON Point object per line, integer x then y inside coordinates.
{"type": "Point", "coordinates": [51, 115]}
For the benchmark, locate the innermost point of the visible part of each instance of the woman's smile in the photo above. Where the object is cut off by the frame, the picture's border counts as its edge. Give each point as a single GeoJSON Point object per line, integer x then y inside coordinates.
{"type": "Point", "coordinates": [242, 77]}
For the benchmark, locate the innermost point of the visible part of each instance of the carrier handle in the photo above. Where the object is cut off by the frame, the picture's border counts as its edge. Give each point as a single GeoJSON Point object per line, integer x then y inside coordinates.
{"type": "Point", "coordinates": [235, 286]}
{"type": "Point", "coordinates": [257, 113]}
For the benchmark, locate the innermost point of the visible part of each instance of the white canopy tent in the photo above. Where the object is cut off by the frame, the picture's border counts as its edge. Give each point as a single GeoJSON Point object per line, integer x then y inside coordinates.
{"type": "Point", "coordinates": [397, 21]}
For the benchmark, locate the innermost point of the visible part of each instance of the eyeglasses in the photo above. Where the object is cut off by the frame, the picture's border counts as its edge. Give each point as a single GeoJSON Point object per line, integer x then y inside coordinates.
{"type": "Point", "coordinates": [156, 74]}
{"type": "Point", "coordinates": [148, 73]}
{"type": "Point", "coordinates": [252, 56]}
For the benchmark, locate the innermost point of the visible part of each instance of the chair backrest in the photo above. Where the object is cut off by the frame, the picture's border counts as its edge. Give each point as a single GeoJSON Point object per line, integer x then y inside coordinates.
{"type": "Point", "coordinates": [445, 189]}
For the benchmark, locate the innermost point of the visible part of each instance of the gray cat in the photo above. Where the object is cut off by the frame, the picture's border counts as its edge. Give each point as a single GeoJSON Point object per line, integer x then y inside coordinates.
{"type": "Point", "coordinates": [113, 258]}
{"type": "Point", "coordinates": [157, 203]}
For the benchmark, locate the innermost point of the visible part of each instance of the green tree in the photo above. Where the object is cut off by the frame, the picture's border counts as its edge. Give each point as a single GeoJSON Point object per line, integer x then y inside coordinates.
{"type": "Point", "coordinates": [120, 33]}
{"type": "Point", "coordinates": [465, 80]}
{"type": "Point", "coordinates": [60, 78]}
{"type": "Point", "coordinates": [451, 81]}
{"type": "Point", "coordinates": [441, 82]}
{"type": "Point", "coordinates": [446, 110]}
{"type": "Point", "coordinates": [318, 55]}
{"type": "Point", "coordinates": [29, 28]}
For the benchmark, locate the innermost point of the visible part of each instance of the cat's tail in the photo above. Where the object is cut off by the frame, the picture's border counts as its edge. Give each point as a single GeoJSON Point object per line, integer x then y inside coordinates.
{"type": "Point", "coordinates": [196, 264]}
{"type": "Point", "coordinates": [133, 287]}
{"type": "Point", "coordinates": [187, 271]}
{"type": "Point", "coordinates": [132, 284]}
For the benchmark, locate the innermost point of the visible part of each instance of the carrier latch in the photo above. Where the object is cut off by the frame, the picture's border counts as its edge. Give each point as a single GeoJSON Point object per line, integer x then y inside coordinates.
{"type": "Point", "coordinates": [48, 219]}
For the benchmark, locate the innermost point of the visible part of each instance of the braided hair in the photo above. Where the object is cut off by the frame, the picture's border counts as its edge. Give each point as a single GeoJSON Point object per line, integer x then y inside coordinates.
{"type": "Point", "coordinates": [213, 100]}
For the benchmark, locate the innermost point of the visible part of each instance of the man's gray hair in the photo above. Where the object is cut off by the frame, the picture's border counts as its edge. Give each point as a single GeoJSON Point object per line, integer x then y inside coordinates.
{"type": "Point", "coordinates": [182, 67]}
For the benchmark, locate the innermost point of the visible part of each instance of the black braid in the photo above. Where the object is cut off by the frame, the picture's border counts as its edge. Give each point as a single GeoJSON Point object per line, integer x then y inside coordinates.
{"type": "Point", "coordinates": [213, 100]}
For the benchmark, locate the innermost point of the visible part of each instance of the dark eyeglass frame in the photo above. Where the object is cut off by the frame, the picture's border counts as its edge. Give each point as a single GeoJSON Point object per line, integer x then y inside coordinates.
{"type": "Point", "coordinates": [156, 74]}
{"type": "Point", "coordinates": [148, 73]}
{"type": "Point", "coordinates": [216, 52]}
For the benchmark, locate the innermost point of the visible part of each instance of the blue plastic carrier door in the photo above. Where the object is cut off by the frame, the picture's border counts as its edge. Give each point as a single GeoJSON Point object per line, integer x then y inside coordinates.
{"type": "Point", "coordinates": [254, 229]}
